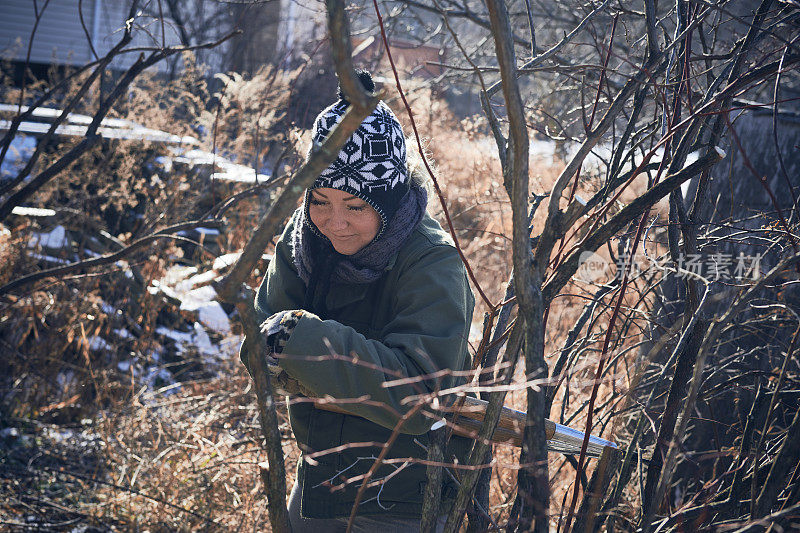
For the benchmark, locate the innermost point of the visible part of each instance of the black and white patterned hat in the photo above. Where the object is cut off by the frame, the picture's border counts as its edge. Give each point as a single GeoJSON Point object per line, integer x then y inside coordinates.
{"type": "Point", "coordinates": [372, 163]}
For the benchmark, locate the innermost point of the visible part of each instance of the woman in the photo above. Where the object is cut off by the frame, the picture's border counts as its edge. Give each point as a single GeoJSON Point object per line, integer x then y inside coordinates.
{"type": "Point", "coordinates": [363, 272]}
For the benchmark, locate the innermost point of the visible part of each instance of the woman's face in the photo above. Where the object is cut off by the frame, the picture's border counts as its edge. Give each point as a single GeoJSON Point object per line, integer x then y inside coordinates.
{"type": "Point", "coordinates": [347, 221]}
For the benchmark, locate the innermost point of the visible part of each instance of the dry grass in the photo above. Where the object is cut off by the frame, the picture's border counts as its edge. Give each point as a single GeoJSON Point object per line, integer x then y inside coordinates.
{"type": "Point", "coordinates": [151, 462]}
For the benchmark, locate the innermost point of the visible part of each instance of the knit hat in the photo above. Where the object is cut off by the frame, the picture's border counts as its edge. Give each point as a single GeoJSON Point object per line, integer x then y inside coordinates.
{"type": "Point", "coordinates": [372, 163]}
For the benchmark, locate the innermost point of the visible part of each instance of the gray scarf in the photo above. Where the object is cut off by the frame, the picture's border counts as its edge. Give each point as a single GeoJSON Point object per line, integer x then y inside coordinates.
{"type": "Point", "coordinates": [368, 264]}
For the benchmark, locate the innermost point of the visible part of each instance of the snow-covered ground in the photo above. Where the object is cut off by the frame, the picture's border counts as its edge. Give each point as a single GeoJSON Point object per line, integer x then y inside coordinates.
{"type": "Point", "coordinates": [202, 334]}
{"type": "Point", "coordinates": [19, 152]}
{"type": "Point", "coordinates": [228, 170]}
{"type": "Point", "coordinates": [76, 124]}
{"type": "Point", "coordinates": [184, 148]}
{"type": "Point", "coordinates": [55, 238]}
{"type": "Point", "coordinates": [195, 294]}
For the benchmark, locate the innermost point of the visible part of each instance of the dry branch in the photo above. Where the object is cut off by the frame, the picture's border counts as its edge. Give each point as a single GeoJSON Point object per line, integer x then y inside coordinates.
{"type": "Point", "coordinates": [108, 259]}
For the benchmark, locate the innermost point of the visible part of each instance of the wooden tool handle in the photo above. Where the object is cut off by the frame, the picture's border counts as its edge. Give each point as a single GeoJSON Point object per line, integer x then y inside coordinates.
{"type": "Point", "coordinates": [469, 418]}
{"type": "Point", "coordinates": [511, 420]}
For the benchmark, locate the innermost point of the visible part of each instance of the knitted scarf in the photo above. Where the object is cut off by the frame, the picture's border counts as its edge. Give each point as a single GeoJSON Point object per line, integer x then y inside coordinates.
{"type": "Point", "coordinates": [320, 265]}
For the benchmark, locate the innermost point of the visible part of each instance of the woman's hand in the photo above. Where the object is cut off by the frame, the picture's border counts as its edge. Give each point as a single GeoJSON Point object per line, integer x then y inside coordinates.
{"type": "Point", "coordinates": [276, 331]}
{"type": "Point", "coordinates": [278, 328]}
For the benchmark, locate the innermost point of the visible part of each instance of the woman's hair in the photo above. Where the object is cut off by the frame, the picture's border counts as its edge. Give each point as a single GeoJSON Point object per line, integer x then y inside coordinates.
{"type": "Point", "coordinates": [416, 168]}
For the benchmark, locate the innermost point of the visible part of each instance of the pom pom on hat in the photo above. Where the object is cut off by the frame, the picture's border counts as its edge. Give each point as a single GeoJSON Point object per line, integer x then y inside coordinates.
{"type": "Point", "coordinates": [366, 81]}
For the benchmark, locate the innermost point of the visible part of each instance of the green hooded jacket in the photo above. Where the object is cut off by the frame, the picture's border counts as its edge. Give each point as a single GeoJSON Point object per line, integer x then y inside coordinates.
{"type": "Point", "coordinates": [413, 321]}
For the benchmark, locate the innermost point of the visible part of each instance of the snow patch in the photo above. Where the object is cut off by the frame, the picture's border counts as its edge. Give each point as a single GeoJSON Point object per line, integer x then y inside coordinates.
{"type": "Point", "coordinates": [229, 346]}
{"type": "Point", "coordinates": [692, 157]}
{"type": "Point", "coordinates": [196, 295]}
{"type": "Point", "coordinates": [196, 157]}
{"type": "Point", "coordinates": [160, 377]}
{"type": "Point", "coordinates": [49, 258]}
{"type": "Point", "coordinates": [66, 380]}
{"type": "Point", "coordinates": [55, 238]}
{"type": "Point", "coordinates": [165, 162]}
{"type": "Point", "coordinates": [199, 279]}
{"type": "Point", "coordinates": [229, 171]}
{"type": "Point", "coordinates": [59, 435]}
{"type": "Point", "coordinates": [545, 148]}
{"type": "Point", "coordinates": [215, 317]}
{"type": "Point", "coordinates": [203, 341]}
{"type": "Point", "coordinates": [97, 343]}
{"type": "Point", "coordinates": [241, 174]}
{"type": "Point", "coordinates": [194, 299]}
{"type": "Point", "coordinates": [8, 433]}
{"type": "Point", "coordinates": [178, 336]}
{"type": "Point", "coordinates": [32, 212]}
{"type": "Point", "coordinates": [19, 152]}
{"type": "Point", "coordinates": [203, 301]}
{"type": "Point", "coordinates": [475, 333]}
{"type": "Point", "coordinates": [122, 333]}
{"type": "Point", "coordinates": [199, 337]}
{"type": "Point", "coordinates": [226, 260]}
{"type": "Point", "coordinates": [177, 273]}
{"type": "Point", "coordinates": [77, 125]}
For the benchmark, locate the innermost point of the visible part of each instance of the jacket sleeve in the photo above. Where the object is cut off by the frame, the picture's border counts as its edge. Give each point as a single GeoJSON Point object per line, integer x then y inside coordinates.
{"type": "Point", "coordinates": [432, 313]}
